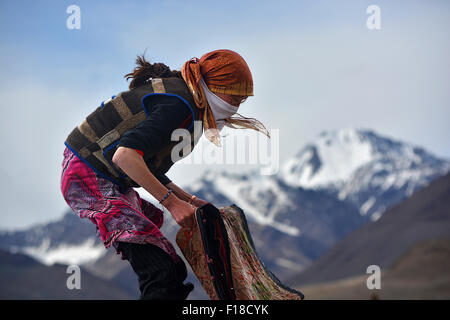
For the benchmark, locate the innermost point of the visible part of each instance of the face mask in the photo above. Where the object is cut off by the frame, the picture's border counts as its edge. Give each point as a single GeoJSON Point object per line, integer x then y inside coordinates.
{"type": "Point", "coordinates": [221, 109]}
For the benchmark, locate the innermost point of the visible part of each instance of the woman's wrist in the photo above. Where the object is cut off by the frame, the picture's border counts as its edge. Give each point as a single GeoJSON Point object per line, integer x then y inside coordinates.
{"type": "Point", "coordinates": [170, 201]}
{"type": "Point", "coordinates": [180, 193]}
{"type": "Point", "coordinates": [165, 196]}
{"type": "Point", "coordinates": [191, 199]}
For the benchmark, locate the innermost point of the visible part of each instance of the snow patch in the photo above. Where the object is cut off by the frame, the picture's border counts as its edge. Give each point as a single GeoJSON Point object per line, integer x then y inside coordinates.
{"type": "Point", "coordinates": [288, 264]}
{"type": "Point", "coordinates": [367, 205]}
{"type": "Point", "coordinates": [340, 152]}
{"type": "Point", "coordinates": [66, 254]}
{"type": "Point", "coordinates": [248, 192]}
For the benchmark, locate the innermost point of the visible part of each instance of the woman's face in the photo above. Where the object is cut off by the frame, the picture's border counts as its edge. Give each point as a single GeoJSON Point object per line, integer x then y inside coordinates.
{"type": "Point", "coordinates": [231, 99]}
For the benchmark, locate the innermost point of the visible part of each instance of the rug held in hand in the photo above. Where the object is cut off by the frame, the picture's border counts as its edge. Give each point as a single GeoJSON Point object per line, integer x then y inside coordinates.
{"type": "Point", "coordinates": [222, 255]}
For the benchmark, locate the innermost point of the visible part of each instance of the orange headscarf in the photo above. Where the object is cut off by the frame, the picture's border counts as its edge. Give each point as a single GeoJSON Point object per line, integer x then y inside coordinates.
{"type": "Point", "coordinates": [224, 71]}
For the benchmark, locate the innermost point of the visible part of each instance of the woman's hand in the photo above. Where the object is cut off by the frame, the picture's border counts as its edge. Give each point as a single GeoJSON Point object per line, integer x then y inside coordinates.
{"type": "Point", "coordinates": [181, 211]}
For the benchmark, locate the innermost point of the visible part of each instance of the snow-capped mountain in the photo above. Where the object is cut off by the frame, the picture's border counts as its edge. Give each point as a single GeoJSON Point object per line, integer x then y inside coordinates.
{"type": "Point", "coordinates": [330, 188]}
{"type": "Point", "coordinates": [290, 226]}
{"type": "Point", "coordinates": [371, 171]}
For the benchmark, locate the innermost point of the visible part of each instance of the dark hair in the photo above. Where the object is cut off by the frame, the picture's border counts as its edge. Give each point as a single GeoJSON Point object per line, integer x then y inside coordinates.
{"type": "Point", "coordinates": [146, 71]}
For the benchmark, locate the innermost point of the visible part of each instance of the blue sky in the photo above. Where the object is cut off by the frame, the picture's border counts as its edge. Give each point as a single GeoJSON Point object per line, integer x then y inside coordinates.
{"type": "Point", "coordinates": [315, 66]}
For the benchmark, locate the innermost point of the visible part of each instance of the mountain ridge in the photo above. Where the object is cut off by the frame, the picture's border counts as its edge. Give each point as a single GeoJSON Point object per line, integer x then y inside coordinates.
{"type": "Point", "coordinates": [425, 215]}
{"type": "Point", "coordinates": [303, 222]}
{"type": "Point", "coordinates": [370, 170]}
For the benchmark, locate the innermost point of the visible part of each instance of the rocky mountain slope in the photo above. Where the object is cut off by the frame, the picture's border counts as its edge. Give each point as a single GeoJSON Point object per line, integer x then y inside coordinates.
{"type": "Point", "coordinates": [425, 215]}
{"type": "Point", "coordinates": [331, 187]}
{"type": "Point", "coordinates": [420, 273]}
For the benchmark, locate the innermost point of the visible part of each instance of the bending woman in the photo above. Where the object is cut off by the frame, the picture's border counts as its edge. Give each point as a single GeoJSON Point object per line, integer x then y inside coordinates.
{"type": "Point", "coordinates": [126, 143]}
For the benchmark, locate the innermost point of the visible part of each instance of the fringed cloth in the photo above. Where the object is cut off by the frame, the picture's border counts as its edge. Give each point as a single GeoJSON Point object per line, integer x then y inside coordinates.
{"type": "Point", "coordinates": [118, 216]}
{"type": "Point", "coordinates": [222, 255]}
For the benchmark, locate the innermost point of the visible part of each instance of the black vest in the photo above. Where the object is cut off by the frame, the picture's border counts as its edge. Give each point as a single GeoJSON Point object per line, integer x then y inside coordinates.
{"type": "Point", "coordinates": [96, 139]}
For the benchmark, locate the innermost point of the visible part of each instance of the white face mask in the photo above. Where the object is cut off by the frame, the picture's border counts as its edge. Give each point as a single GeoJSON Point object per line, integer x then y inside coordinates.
{"type": "Point", "coordinates": [221, 109]}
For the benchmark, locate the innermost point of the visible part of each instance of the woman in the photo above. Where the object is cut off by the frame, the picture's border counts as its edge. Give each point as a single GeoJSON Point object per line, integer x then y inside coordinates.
{"type": "Point", "coordinates": [126, 143]}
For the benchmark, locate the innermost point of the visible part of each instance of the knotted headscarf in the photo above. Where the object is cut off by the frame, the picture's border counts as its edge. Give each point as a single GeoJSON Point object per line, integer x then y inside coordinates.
{"type": "Point", "coordinates": [224, 71]}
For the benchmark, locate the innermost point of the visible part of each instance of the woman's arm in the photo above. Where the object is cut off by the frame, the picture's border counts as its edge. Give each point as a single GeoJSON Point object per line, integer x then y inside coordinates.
{"type": "Point", "coordinates": [180, 193]}
{"type": "Point", "coordinates": [134, 166]}
{"type": "Point", "coordinates": [186, 196]}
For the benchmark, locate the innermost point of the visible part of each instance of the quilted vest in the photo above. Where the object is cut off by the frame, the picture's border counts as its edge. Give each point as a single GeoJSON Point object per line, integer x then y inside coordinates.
{"type": "Point", "coordinates": [96, 138]}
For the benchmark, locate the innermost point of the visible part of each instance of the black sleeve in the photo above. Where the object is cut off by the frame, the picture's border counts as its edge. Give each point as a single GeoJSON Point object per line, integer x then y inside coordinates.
{"type": "Point", "coordinates": [166, 113]}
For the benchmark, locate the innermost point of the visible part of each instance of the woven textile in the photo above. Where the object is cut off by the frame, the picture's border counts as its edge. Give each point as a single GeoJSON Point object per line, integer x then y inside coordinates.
{"type": "Point", "coordinates": [227, 264]}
